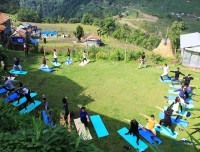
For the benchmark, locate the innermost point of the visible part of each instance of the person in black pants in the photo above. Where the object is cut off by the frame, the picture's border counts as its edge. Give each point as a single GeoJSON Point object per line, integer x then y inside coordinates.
{"type": "Point", "coordinates": [176, 77]}
{"type": "Point", "coordinates": [27, 93]}
{"type": "Point", "coordinates": [167, 122]}
{"type": "Point", "coordinates": [67, 113]}
{"type": "Point", "coordinates": [134, 130]}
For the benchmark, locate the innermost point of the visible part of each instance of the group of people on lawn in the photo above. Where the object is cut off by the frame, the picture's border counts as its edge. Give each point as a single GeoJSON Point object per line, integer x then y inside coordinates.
{"type": "Point", "coordinates": [185, 92]}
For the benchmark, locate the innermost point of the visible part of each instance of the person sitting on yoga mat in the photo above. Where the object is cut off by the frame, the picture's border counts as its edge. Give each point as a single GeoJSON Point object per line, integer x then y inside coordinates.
{"type": "Point", "coordinates": [67, 113]}
{"type": "Point", "coordinates": [151, 123]}
{"type": "Point", "coordinates": [16, 64]}
{"type": "Point", "coordinates": [8, 85]}
{"type": "Point", "coordinates": [27, 93]}
{"type": "Point", "coordinates": [45, 102]}
{"type": "Point", "coordinates": [84, 116]}
{"type": "Point", "coordinates": [167, 122]}
{"type": "Point", "coordinates": [44, 62]}
{"type": "Point", "coordinates": [55, 55]}
{"type": "Point", "coordinates": [176, 77]}
{"type": "Point", "coordinates": [165, 72]}
{"type": "Point", "coordinates": [134, 129]}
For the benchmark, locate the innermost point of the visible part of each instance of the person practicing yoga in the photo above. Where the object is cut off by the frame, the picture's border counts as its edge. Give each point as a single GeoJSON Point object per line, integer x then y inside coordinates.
{"type": "Point", "coordinates": [187, 79]}
{"type": "Point", "coordinates": [167, 122]}
{"type": "Point", "coordinates": [165, 72]}
{"type": "Point", "coordinates": [84, 116]}
{"type": "Point", "coordinates": [151, 123]}
{"type": "Point", "coordinates": [27, 92]}
{"type": "Point", "coordinates": [8, 85]}
{"type": "Point", "coordinates": [176, 77]}
{"type": "Point", "coordinates": [84, 56]}
{"type": "Point", "coordinates": [176, 106]}
{"type": "Point", "coordinates": [67, 113]}
{"type": "Point", "coordinates": [188, 91]}
{"type": "Point", "coordinates": [142, 60]}
{"type": "Point", "coordinates": [45, 102]}
{"type": "Point", "coordinates": [134, 129]}
{"type": "Point", "coordinates": [44, 62]}
{"type": "Point", "coordinates": [16, 64]}
{"type": "Point", "coordinates": [55, 56]}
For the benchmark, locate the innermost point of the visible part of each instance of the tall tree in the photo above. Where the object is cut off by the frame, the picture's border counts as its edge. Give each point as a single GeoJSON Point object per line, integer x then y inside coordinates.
{"type": "Point", "coordinates": [174, 33]}
{"type": "Point", "coordinates": [79, 32]}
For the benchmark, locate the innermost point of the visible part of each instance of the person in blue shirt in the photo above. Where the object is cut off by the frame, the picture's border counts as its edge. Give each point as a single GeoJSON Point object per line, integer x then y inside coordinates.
{"type": "Point", "coordinates": [84, 116]}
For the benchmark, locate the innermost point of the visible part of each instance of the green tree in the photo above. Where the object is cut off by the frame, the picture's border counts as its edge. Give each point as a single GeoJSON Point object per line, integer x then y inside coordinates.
{"type": "Point", "coordinates": [174, 33]}
{"type": "Point", "coordinates": [87, 19]}
{"type": "Point", "coordinates": [79, 32]}
{"type": "Point", "coordinates": [107, 27]}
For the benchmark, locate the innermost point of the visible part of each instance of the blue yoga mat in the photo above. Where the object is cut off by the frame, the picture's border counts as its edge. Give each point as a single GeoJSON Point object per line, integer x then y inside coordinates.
{"type": "Point", "coordinates": [148, 135]}
{"type": "Point", "coordinates": [49, 70]}
{"type": "Point", "coordinates": [11, 97]}
{"type": "Point", "coordinates": [175, 86]}
{"type": "Point", "coordinates": [56, 64]}
{"type": "Point", "coordinates": [132, 140]}
{"type": "Point", "coordinates": [3, 91]}
{"type": "Point", "coordinates": [45, 118]}
{"type": "Point", "coordinates": [99, 126]}
{"type": "Point", "coordinates": [173, 92]}
{"type": "Point", "coordinates": [179, 121]}
{"type": "Point", "coordinates": [30, 107]}
{"type": "Point", "coordinates": [18, 72]}
{"type": "Point", "coordinates": [68, 62]}
{"type": "Point", "coordinates": [23, 100]}
{"type": "Point", "coordinates": [165, 80]}
{"type": "Point", "coordinates": [183, 113]}
{"type": "Point", "coordinates": [166, 131]}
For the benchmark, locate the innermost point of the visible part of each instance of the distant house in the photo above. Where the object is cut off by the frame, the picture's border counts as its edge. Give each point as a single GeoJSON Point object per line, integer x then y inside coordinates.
{"type": "Point", "coordinates": [93, 40]}
{"type": "Point", "coordinates": [5, 27]}
{"type": "Point", "coordinates": [190, 49]}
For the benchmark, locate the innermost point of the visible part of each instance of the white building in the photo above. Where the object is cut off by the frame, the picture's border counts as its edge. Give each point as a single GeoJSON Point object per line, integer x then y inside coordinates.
{"type": "Point", "coordinates": [190, 49]}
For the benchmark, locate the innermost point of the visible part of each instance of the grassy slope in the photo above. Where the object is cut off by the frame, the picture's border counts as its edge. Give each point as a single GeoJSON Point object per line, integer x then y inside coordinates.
{"type": "Point", "coordinates": [113, 90]}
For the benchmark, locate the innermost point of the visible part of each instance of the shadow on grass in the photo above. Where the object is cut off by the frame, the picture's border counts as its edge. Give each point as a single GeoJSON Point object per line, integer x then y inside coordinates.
{"type": "Point", "coordinates": [55, 87]}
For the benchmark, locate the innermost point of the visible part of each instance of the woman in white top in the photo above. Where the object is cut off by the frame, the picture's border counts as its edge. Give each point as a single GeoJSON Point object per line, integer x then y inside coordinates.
{"type": "Point", "coordinates": [55, 56]}
{"type": "Point", "coordinates": [165, 72]}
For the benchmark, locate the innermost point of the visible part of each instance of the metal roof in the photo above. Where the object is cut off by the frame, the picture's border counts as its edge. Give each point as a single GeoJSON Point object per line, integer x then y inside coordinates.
{"type": "Point", "coordinates": [190, 40]}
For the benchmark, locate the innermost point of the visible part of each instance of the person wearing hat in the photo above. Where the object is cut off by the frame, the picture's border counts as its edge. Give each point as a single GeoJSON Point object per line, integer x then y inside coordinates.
{"type": "Point", "coordinates": [151, 123]}
{"type": "Point", "coordinates": [176, 76]}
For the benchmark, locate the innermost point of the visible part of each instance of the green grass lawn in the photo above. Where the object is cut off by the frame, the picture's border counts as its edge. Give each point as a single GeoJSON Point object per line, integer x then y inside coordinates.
{"type": "Point", "coordinates": [113, 90]}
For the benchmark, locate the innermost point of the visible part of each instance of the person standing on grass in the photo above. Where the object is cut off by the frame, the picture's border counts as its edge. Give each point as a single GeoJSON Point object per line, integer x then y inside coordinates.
{"type": "Point", "coordinates": [165, 72]}
{"type": "Point", "coordinates": [16, 64]}
{"type": "Point", "coordinates": [151, 123]}
{"type": "Point", "coordinates": [84, 116]}
{"type": "Point", "coordinates": [142, 60]}
{"type": "Point", "coordinates": [55, 55]}
{"type": "Point", "coordinates": [68, 53]}
{"type": "Point", "coordinates": [167, 122]}
{"type": "Point", "coordinates": [176, 77]}
{"type": "Point", "coordinates": [134, 129]}
{"type": "Point", "coordinates": [84, 56]}
{"type": "Point", "coordinates": [26, 49]}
